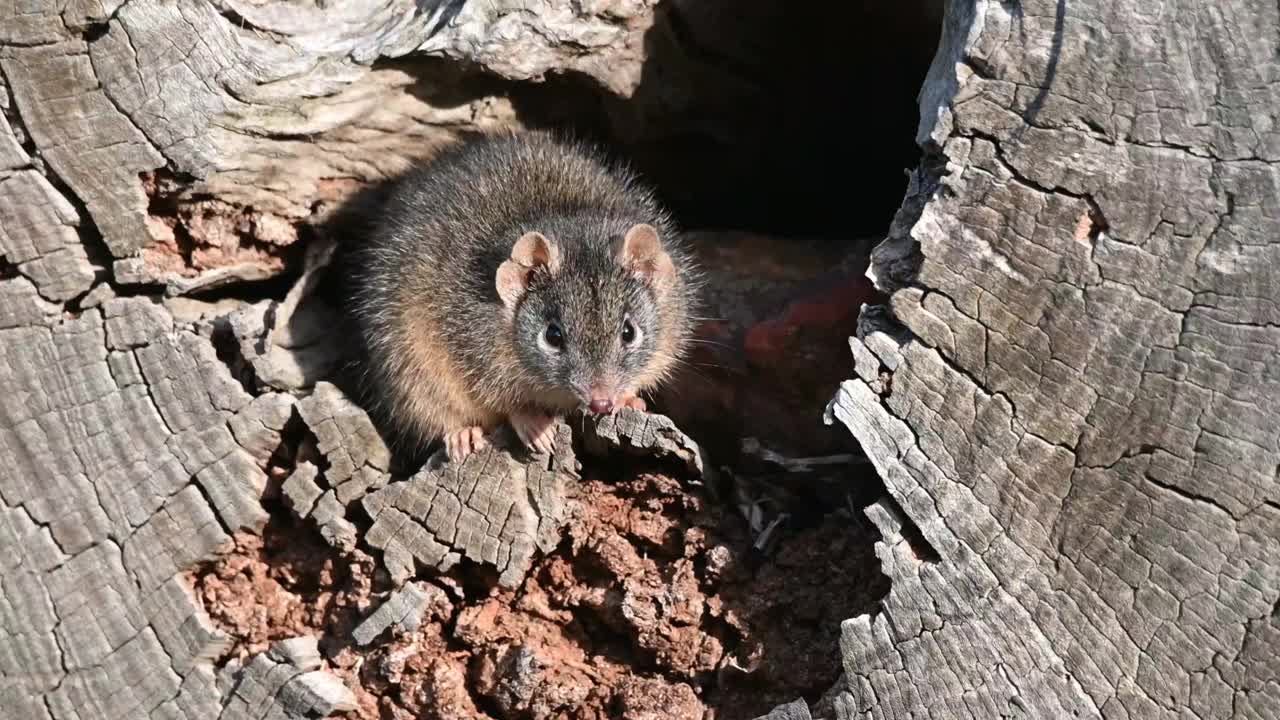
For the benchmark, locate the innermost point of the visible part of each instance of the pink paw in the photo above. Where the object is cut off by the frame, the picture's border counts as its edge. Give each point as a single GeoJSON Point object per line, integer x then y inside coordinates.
{"type": "Point", "coordinates": [536, 430]}
{"type": "Point", "coordinates": [461, 442]}
{"type": "Point", "coordinates": [633, 401]}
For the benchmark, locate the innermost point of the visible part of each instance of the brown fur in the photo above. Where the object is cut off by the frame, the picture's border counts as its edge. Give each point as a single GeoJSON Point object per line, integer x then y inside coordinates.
{"type": "Point", "coordinates": [478, 253]}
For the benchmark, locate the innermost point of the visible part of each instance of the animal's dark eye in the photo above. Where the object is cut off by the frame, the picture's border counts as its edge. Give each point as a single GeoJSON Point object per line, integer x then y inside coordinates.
{"type": "Point", "coordinates": [628, 332]}
{"type": "Point", "coordinates": [553, 336]}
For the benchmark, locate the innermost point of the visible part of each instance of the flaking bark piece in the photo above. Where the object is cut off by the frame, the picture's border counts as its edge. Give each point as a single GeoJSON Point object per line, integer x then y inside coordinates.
{"type": "Point", "coordinates": [38, 235]}
{"type": "Point", "coordinates": [301, 491]}
{"type": "Point", "coordinates": [403, 611]}
{"type": "Point", "coordinates": [287, 678]}
{"type": "Point", "coordinates": [302, 652]}
{"type": "Point", "coordinates": [259, 426]}
{"type": "Point", "coordinates": [794, 710]}
{"type": "Point", "coordinates": [358, 457]}
{"type": "Point", "coordinates": [318, 693]}
{"type": "Point", "coordinates": [640, 433]}
{"type": "Point", "coordinates": [207, 280]}
{"type": "Point", "coordinates": [494, 508]}
{"type": "Point", "coordinates": [289, 344]}
{"type": "Point", "coordinates": [287, 361]}
{"type": "Point", "coordinates": [303, 494]}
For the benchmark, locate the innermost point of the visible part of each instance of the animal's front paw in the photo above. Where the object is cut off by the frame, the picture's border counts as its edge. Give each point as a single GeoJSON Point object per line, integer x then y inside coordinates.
{"type": "Point", "coordinates": [633, 401]}
{"type": "Point", "coordinates": [536, 430]}
{"type": "Point", "coordinates": [461, 442]}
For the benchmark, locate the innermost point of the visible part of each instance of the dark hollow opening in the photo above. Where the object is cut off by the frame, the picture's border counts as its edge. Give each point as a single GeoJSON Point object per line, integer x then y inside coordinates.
{"type": "Point", "coordinates": [784, 118]}
{"type": "Point", "coordinates": [801, 120]}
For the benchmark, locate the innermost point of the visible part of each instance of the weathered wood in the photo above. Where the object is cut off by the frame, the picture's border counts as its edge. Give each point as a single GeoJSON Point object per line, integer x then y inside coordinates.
{"type": "Point", "coordinates": [1073, 401]}
{"type": "Point", "coordinates": [494, 509]}
{"type": "Point", "coordinates": [645, 434]}
{"type": "Point", "coordinates": [402, 612]}
{"type": "Point", "coordinates": [100, 521]}
{"type": "Point", "coordinates": [39, 236]}
{"type": "Point", "coordinates": [796, 710]}
{"type": "Point", "coordinates": [285, 682]}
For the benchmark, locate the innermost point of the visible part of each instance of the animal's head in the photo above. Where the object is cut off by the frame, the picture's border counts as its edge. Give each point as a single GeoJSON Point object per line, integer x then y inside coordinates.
{"type": "Point", "coordinates": [592, 326]}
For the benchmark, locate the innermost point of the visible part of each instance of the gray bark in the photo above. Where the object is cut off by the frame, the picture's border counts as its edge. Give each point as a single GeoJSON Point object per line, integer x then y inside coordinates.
{"type": "Point", "coordinates": [492, 509]}
{"type": "Point", "coordinates": [1073, 395]}
{"type": "Point", "coordinates": [403, 611]}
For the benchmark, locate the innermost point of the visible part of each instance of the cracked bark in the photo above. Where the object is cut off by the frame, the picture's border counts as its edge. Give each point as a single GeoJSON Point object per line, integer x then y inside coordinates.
{"type": "Point", "coordinates": [1072, 393]}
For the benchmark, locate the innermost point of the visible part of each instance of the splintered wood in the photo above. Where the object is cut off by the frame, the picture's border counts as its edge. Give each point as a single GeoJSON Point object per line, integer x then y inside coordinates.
{"type": "Point", "coordinates": [491, 509]}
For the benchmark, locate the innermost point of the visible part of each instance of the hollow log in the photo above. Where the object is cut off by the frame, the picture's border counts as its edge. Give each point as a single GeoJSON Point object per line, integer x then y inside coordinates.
{"type": "Point", "coordinates": [1071, 394]}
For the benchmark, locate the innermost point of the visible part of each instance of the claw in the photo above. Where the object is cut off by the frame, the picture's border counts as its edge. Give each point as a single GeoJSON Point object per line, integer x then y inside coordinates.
{"type": "Point", "coordinates": [634, 402]}
{"type": "Point", "coordinates": [461, 442]}
{"type": "Point", "coordinates": [536, 431]}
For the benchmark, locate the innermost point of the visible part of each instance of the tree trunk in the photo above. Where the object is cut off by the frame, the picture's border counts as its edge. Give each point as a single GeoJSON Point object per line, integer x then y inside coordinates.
{"type": "Point", "coordinates": [1072, 395]}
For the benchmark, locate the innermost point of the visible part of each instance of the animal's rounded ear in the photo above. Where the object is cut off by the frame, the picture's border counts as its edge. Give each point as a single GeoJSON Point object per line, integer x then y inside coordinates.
{"type": "Point", "coordinates": [642, 253]}
{"type": "Point", "coordinates": [512, 281]}
{"type": "Point", "coordinates": [532, 252]}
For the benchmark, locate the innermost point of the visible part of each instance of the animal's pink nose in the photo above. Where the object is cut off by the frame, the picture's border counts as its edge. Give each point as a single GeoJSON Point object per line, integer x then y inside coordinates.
{"type": "Point", "coordinates": [600, 406]}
